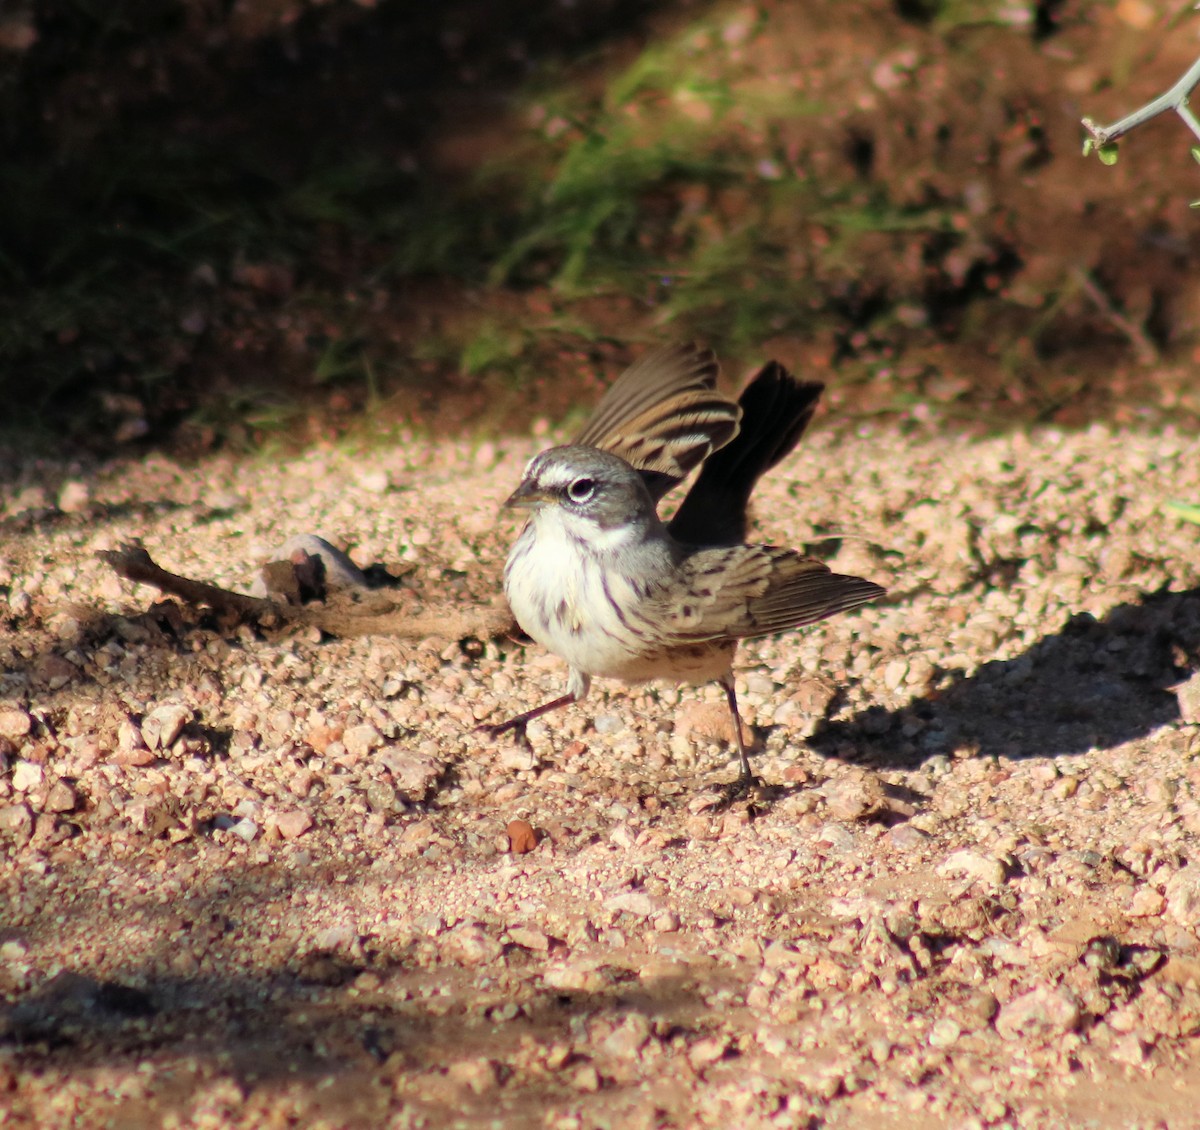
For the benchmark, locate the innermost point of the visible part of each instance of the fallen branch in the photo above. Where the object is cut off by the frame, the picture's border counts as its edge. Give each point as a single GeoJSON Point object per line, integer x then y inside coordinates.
{"type": "Point", "coordinates": [1147, 352]}
{"type": "Point", "coordinates": [344, 613]}
{"type": "Point", "coordinates": [134, 564]}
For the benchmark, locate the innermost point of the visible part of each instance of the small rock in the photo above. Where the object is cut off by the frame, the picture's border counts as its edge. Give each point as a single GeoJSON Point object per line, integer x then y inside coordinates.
{"type": "Point", "coordinates": [906, 837]}
{"type": "Point", "coordinates": [575, 977]}
{"type": "Point", "coordinates": [368, 982]}
{"type": "Point", "coordinates": [628, 1038]}
{"type": "Point", "coordinates": [54, 670]}
{"type": "Point", "coordinates": [587, 1078]}
{"type": "Point", "coordinates": [14, 949]}
{"type": "Point", "coordinates": [709, 721]}
{"type": "Point", "coordinates": [336, 937]}
{"type": "Point", "coordinates": [293, 823]}
{"type": "Point", "coordinates": [15, 723]}
{"type": "Point", "coordinates": [517, 758]}
{"type": "Point", "coordinates": [478, 1075]}
{"type": "Point", "coordinates": [321, 737]}
{"type": "Point", "coordinates": [638, 903]}
{"type": "Point", "coordinates": [945, 1033]}
{"type": "Point", "coordinates": [528, 938]}
{"type": "Point", "coordinates": [780, 955]}
{"type": "Point", "coordinates": [471, 945]}
{"type": "Point", "coordinates": [853, 797]}
{"type": "Point", "coordinates": [382, 797]}
{"type": "Point", "coordinates": [1161, 1012]}
{"type": "Point", "coordinates": [1115, 562]}
{"type": "Point", "coordinates": [163, 725]}
{"type": "Point", "coordinates": [708, 1051]}
{"type": "Point", "coordinates": [16, 820]}
{"type": "Point", "coordinates": [1146, 903]}
{"type": "Point", "coordinates": [26, 776]}
{"type": "Point", "coordinates": [245, 829]}
{"type": "Point", "coordinates": [149, 818]}
{"type": "Point", "coordinates": [376, 480]}
{"type": "Point", "coordinates": [1183, 896]}
{"type": "Point", "coordinates": [74, 497]}
{"type": "Point", "coordinates": [760, 684]}
{"type": "Point", "coordinates": [521, 837]}
{"type": "Point", "coordinates": [430, 925]}
{"type": "Point", "coordinates": [1188, 694]}
{"type": "Point", "coordinates": [1129, 1048]}
{"type": "Point", "coordinates": [340, 571]}
{"type": "Point", "coordinates": [135, 756]}
{"type": "Point", "coordinates": [361, 740]}
{"type": "Point", "coordinates": [413, 774]}
{"type": "Point", "coordinates": [1043, 1009]}
{"type": "Point", "coordinates": [895, 673]}
{"type": "Point", "coordinates": [980, 1008]}
{"type": "Point", "coordinates": [129, 735]}
{"type": "Point", "coordinates": [61, 798]}
{"type": "Point", "coordinates": [418, 835]}
{"type": "Point", "coordinates": [622, 836]}
{"type": "Point", "coordinates": [813, 696]}
{"type": "Point", "coordinates": [839, 838]}
{"type": "Point", "coordinates": [877, 721]}
{"type": "Point", "coordinates": [974, 865]}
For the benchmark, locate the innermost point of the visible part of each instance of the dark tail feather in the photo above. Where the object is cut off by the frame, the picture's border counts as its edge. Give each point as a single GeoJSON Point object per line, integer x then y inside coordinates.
{"type": "Point", "coordinates": [776, 408]}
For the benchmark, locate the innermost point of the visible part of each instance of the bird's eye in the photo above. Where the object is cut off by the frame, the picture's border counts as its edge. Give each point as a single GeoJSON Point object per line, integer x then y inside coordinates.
{"type": "Point", "coordinates": [581, 490]}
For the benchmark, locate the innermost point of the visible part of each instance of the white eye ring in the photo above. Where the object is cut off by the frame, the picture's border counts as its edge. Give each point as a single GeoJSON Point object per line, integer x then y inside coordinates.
{"type": "Point", "coordinates": [581, 490]}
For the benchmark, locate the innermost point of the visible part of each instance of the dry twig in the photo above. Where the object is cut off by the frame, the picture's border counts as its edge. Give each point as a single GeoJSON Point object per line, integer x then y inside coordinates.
{"type": "Point", "coordinates": [343, 614]}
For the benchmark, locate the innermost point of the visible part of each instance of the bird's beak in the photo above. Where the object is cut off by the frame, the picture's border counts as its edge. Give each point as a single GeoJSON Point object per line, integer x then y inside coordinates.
{"type": "Point", "coordinates": [526, 497]}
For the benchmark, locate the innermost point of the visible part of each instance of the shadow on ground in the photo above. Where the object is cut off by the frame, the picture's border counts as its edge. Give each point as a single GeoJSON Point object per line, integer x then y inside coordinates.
{"type": "Point", "coordinates": [348, 1027]}
{"type": "Point", "coordinates": [1094, 685]}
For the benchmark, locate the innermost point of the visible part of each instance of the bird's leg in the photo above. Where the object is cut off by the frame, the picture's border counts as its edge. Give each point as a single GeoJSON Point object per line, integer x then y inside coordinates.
{"type": "Point", "coordinates": [518, 724]}
{"type": "Point", "coordinates": [746, 778]}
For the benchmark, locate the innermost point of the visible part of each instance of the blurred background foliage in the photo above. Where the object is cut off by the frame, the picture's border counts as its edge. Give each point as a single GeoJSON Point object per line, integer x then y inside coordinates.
{"type": "Point", "coordinates": [290, 218]}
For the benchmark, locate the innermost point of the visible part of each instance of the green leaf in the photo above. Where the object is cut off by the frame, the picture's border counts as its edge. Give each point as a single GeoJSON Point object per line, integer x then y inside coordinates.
{"type": "Point", "coordinates": [1196, 154]}
{"type": "Point", "coordinates": [1107, 154]}
{"type": "Point", "coordinates": [1088, 145]}
{"type": "Point", "coordinates": [1185, 510]}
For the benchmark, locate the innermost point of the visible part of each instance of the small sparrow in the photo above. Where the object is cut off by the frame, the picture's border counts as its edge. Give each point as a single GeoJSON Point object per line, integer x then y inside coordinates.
{"type": "Point", "coordinates": [600, 580]}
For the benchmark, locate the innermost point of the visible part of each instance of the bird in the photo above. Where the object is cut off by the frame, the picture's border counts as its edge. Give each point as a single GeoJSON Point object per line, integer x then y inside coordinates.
{"type": "Point", "coordinates": [597, 577]}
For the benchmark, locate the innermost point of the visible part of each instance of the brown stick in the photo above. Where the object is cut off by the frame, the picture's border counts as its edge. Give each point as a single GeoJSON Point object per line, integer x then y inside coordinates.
{"type": "Point", "coordinates": [368, 613]}
{"type": "Point", "coordinates": [134, 564]}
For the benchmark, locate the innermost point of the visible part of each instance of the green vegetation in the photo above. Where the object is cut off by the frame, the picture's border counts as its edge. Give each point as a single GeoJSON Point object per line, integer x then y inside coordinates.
{"type": "Point", "coordinates": [205, 231]}
{"type": "Point", "coordinates": [656, 189]}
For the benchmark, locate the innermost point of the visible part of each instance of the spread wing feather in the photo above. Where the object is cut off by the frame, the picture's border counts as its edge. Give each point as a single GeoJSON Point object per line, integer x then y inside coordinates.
{"type": "Point", "coordinates": [664, 416]}
{"type": "Point", "coordinates": [776, 408]}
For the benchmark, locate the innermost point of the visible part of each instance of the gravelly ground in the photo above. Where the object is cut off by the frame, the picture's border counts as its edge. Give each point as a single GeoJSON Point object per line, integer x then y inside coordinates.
{"type": "Point", "coordinates": [266, 880]}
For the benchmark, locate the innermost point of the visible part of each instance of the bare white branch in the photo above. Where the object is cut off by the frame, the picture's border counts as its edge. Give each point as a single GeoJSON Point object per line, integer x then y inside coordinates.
{"type": "Point", "coordinates": [1174, 99]}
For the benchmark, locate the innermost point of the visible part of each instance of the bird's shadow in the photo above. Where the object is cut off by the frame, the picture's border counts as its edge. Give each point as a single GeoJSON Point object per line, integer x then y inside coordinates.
{"type": "Point", "coordinates": [1095, 684]}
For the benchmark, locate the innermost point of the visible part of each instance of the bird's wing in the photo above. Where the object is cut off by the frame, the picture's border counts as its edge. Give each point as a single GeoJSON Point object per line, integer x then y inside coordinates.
{"type": "Point", "coordinates": [664, 416]}
{"type": "Point", "coordinates": [776, 408]}
{"type": "Point", "coordinates": [746, 591]}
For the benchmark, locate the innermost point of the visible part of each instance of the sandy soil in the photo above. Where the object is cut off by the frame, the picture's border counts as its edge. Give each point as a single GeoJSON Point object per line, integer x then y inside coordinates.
{"type": "Point", "coordinates": [266, 879]}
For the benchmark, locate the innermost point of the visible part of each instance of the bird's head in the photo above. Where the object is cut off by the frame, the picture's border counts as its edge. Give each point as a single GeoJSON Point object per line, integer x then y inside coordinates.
{"type": "Point", "coordinates": [584, 487]}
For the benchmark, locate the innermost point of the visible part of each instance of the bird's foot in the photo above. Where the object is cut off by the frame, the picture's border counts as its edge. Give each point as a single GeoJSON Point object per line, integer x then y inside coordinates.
{"type": "Point", "coordinates": [737, 789]}
{"type": "Point", "coordinates": [517, 726]}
